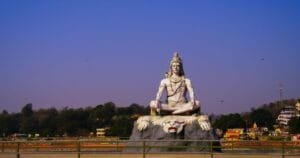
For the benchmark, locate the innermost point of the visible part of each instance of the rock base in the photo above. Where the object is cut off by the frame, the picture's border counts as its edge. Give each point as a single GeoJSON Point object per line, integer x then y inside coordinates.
{"type": "Point", "coordinates": [170, 133]}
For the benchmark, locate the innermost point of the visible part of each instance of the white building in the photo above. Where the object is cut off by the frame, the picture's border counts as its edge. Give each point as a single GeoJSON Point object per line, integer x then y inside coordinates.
{"type": "Point", "coordinates": [100, 132]}
{"type": "Point", "coordinates": [298, 109]}
{"type": "Point", "coordinates": [286, 114]}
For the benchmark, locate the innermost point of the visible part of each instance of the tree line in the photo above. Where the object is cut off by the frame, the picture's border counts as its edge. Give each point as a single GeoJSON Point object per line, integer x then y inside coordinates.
{"type": "Point", "coordinates": [119, 120]}
{"type": "Point", "coordinates": [71, 122]}
{"type": "Point", "coordinates": [264, 116]}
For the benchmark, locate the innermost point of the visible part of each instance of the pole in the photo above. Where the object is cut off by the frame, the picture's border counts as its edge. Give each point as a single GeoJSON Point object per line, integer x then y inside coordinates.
{"type": "Point", "coordinates": [211, 149]}
{"type": "Point", "coordinates": [144, 149]}
{"type": "Point", "coordinates": [18, 150]}
{"type": "Point", "coordinates": [78, 149]}
{"type": "Point", "coordinates": [283, 149]}
{"type": "Point", "coordinates": [280, 91]}
{"type": "Point", "coordinates": [117, 146]}
{"type": "Point", "coordinates": [2, 147]}
{"type": "Point", "coordinates": [36, 147]}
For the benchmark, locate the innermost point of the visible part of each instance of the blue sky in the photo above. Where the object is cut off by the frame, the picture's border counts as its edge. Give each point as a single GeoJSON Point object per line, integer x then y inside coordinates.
{"type": "Point", "coordinates": [85, 53]}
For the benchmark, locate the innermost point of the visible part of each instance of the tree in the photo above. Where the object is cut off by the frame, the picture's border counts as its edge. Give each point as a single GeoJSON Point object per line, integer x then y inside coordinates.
{"type": "Point", "coordinates": [8, 124]}
{"type": "Point", "coordinates": [73, 122]}
{"type": "Point", "coordinates": [47, 119]}
{"type": "Point", "coordinates": [101, 115]}
{"type": "Point", "coordinates": [229, 121]}
{"type": "Point", "coordinates": [121, 127]}
{"type": "Point", "coordinates": [262, 118]}
{"type": "Point", "coordinates": [27, 110]}
{"type": "Point", "coordinates": [137, 109]}
{"type": "Point", "coordinates": [294, 125]}
{"type": "Point", "coordinates": [28, 123]}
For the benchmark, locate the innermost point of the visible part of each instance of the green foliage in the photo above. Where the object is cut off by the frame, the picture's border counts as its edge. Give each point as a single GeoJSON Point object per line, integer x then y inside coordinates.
{"type": "Point", "coordinates": [27, 110]}
{"type": "Point", "coordinates": [8, 124]}
{"type": "Point", "coordinates": [119, 120]}
{"type": "Point", "coordinates": [294, 125]}
{"type": "Point", "coordinates": [122, 126]}
{"type": "Point", "coordinates": [47, 119]}
{"type": "Point", "coordinates": [262, 118]}
{"type": "Point", "coordinates": [28, 122]}
{"type": "Point", "coordinates": [73, 122]}
{"type": "Point", "coordinates": [229, 121]}
{"type": "Point", "coordinates": [101, 115]}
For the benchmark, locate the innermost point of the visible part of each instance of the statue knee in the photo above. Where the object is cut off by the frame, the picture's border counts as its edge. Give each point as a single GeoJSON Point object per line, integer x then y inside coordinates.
{"type": "Point", "coordinates": [153, 104]}
{"type": "Point", "coordinates": [197, 103]}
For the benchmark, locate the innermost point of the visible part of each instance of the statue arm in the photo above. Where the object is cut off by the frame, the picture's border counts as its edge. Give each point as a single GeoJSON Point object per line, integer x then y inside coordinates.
{"type": "Point", "coordinates": [190, 90]}
{"type": "Point", "coordinates": [160, 90]}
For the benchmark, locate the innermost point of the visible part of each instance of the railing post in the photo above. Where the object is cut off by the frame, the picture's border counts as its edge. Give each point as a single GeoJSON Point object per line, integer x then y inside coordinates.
{"type": "Point", "coordinates": [211, 149]}
{"type": "Point", "coordinates": [18, 150]}
{"type": "Point", "coordinates": [2, 147]}
{"type": "Point", "coordinates": [283, 149]}
{"type": "Point", "coordinates": [36, 147]}
{"type": "Point", "coordinates": [117, 146]}
{"type": "Point", "coordinates": [144, 149]}
{"type": "Point", "coordinates": [78, 149]}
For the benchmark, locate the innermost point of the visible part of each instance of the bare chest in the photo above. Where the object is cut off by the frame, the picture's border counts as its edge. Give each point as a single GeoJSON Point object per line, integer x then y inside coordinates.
{"type": "Point", "coordinates": [175, 87]}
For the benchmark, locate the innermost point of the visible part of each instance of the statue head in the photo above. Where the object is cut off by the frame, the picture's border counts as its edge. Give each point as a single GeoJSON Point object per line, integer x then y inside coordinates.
{"type": "Point", "coordinates": [175, 66]}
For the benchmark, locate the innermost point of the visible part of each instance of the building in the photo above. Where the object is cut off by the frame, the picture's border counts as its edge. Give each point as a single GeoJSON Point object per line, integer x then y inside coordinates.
{"type": "Point", "coordinates": [286, 114]}
{"type": "Point", "coordinates": [254, 132]}
{"type": "Point", "coordinates": [298, 109]}
{"type": "Point", "coordinates": [233, 134]}
{"type": "Point", "coordinates": [100, 132]}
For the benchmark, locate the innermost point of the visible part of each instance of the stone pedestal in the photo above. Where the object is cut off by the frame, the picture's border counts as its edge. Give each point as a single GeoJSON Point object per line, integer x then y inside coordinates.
{"type": "Point", "coordinates": [170, 133]}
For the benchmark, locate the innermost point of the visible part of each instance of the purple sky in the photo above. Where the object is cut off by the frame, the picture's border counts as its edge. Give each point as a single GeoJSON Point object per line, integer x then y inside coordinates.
{"type": "Point", "coordinates": [85, 53]}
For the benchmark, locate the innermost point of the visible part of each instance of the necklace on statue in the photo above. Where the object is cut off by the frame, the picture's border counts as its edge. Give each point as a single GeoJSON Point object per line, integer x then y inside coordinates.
{"type": "Point", "coordinates": [175, 83]}
{"type": "Point", "coordinates": [176, 79]}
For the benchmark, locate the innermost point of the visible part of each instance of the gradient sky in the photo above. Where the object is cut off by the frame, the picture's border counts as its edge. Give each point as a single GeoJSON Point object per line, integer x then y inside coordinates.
{"type": "Point", "coordinates": [85, 53]}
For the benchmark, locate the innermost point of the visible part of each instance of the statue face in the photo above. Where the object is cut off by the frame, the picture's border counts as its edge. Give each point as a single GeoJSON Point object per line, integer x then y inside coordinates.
{"type": "Point", "coordinates": [175, 67]}
{"type": "Point", "coordinates": [172, 126]}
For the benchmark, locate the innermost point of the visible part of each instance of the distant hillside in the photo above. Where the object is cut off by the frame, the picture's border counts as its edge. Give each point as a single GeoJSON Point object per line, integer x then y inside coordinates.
{"type": "Point", "coordinates": [264, 116]}
{"type": "Point", "coordinates": [275, 107]}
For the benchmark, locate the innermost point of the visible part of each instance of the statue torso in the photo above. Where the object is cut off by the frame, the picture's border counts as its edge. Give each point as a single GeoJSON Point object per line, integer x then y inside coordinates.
{"type": "Point", "coordinates": [176, 91]}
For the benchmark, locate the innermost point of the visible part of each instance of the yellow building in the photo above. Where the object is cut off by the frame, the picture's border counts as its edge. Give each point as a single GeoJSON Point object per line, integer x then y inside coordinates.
{"type": "Point", "coordinates": [233, 134]}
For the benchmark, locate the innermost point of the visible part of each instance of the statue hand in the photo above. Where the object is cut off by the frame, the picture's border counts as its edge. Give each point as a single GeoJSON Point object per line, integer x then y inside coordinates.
{"type": "Point", "coordinates": [204, 125]}
{"type": "Point", "coordinates": [154, 104]}
{"type": "Point", "coordinates": [142, 126]}
{"type": "Point", "coordinates": [143, 123]}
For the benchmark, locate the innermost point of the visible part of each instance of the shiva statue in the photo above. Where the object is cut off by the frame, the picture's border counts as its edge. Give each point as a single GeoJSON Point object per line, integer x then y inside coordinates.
{"type": "Point", "coordinates": [176, 86]}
